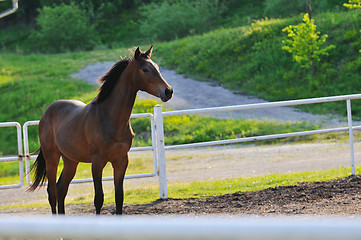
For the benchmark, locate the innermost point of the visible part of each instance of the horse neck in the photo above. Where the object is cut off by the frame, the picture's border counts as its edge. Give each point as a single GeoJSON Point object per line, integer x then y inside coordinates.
{"type": "Point", "coordinates": [119, 105]}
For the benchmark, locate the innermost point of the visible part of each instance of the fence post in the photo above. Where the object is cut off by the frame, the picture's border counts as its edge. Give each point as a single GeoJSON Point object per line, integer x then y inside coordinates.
{"type": "Point", "coordinates": [20, 153]}
{"type": "Point", "coordinates": [19, 158]}
{"type": "Point", "coordinates": [26, 152]}
{"type": "Point", "coordinates": [350, 135]}
{"type": "Point", "coordinates": [159, 133]}
{"type": "Point", "coordinates": [26, 148]}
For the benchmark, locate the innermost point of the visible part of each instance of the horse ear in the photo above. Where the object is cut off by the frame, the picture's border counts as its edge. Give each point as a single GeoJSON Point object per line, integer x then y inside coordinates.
{"type": "Point", "coordinates": [137, 53]}
{"type": "Point", "coordinates": [149, 52]}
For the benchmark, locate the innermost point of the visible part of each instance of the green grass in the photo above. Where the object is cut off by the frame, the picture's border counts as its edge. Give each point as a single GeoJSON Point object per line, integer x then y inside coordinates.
{"type": "Point", "coordinates": [148, 193]}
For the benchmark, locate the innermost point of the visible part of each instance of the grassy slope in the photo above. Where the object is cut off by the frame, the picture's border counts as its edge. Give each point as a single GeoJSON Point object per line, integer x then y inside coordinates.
{"type": "Point", "coordinates": [250, 59]}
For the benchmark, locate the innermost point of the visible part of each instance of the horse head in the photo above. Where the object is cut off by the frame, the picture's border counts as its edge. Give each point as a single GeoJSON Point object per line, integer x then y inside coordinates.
{"type": "Point", "coordinates": [148, 78]}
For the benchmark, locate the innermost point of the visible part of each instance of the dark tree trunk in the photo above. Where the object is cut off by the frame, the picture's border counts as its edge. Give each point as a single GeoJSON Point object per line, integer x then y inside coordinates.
{"type": "Point", "coordinates": [309, 9]}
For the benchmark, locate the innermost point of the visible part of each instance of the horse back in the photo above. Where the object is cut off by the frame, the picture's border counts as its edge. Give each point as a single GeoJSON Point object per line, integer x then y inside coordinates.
{"type": "Point", "coordinates": [61, 128]}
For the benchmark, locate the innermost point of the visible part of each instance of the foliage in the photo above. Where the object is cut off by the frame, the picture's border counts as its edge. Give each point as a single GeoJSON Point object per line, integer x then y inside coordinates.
{"type": "Point", "coordinates": [283, 8]}
{"type": "Point", "coordinates": [237, 13]}
{"type": "Point", "coordinates": [306, 44]}
{"type": "Point", "coordinates": [353, 4]}
{"type": "Point", "coordinates": [286, 8]}
{"type": "Point", "coordinates": [174, 19]}
{"type": "Point", "coordinates": [117, 23]}
{"type": "Point", "coordinates": [63, 28]}
{"type": "Point", "coordinates": [250, 59]}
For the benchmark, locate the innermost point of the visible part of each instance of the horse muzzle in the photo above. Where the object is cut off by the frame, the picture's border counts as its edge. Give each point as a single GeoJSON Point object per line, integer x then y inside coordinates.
{"type": "Point", "coordinates": [167, 94]}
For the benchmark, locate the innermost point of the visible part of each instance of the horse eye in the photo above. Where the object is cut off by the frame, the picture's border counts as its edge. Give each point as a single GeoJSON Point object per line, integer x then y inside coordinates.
{"type": "Point", "coordinates": [145, 70]}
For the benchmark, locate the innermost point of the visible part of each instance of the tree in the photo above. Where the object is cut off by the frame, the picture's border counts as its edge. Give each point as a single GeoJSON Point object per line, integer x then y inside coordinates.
{"type": "Point", "coordinates": [305, 43]}
{"type": "Point", "coordinates": [309, 9]}
{"type": "Point", "coordinates": [64, 28]}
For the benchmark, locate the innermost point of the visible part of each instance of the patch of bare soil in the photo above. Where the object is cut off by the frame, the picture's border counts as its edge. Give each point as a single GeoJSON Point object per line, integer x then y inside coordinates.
{"type": "Point", "coordinates": [337, 197]}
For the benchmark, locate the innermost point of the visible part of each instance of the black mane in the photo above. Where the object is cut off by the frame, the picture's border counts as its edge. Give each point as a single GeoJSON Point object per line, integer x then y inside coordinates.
{"type": "Point", "coordinates": [110, 79]}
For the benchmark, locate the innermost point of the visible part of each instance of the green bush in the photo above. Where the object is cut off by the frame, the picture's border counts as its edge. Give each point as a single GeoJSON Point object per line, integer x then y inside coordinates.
{"type": "Point", "coordinates": [283, 8]}
{"type": "Point", "coordinates": [63, 28]}
{"type": "Point", "coordinates": [305, 43]}
{"type": "Point", "coordinates": [175, 19]}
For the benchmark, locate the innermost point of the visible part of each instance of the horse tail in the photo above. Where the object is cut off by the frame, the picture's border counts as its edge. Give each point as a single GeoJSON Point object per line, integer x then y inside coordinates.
{"type": "Point", "coordinates": [39, 167]}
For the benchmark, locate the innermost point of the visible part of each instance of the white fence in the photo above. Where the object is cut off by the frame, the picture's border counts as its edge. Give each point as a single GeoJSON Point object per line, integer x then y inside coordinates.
{"type": "Point", "coordinates": [175, 227]}
{"type": "Point", "coordinates": [349, 127]}
{"type": "Point", "coordinates": [11, 10]}
{"type": "Point", "coordinates": [18, 158]}
{"type": "Point", "coordinates": [158, 146]}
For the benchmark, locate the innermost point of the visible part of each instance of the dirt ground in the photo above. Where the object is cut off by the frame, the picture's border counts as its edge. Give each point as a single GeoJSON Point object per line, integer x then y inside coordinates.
{"type": "Point", "coordinates": [341, 197]}
{"type": "Point", "coordinates": [338, 197]}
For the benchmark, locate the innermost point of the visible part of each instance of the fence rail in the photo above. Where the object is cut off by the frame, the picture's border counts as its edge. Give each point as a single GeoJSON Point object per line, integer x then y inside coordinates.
{"type": "Point", "coordinates": [176, 227]}
{"type": "Point", "coordinates": [15, 158]}
{"type": "Point", "coordinates": [15, 6]}
{"type": "Point", "coordinates": [263, 105]}
{"type": "Point", "coordinates": [349, 127]}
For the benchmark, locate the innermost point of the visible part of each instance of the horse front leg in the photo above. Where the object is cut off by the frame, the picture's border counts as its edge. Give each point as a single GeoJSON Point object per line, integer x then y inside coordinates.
{"type": "Point", "coordinates": [97, 172]}
{"type": "Point", "coordinates": [119, 167]}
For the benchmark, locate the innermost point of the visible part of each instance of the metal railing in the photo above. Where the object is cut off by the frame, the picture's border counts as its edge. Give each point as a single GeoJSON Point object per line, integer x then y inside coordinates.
{"type": "Point", "coordinates": [18, 158]}
{"type": "Point", "coordinates": [11, 10]}
{"type": "Point", "coordinates": [180, 227]}
{"type": "Point", "coordinates": [159, 114]}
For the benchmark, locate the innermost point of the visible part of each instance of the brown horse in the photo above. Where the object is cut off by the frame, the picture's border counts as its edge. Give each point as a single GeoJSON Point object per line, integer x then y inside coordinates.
{"type": "Point", "coordinates": [96, 133]}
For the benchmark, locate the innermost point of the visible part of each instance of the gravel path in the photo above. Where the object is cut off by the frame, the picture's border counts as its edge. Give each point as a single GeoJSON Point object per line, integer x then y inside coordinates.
{"type": "Point", "coordinates": [190, 94]}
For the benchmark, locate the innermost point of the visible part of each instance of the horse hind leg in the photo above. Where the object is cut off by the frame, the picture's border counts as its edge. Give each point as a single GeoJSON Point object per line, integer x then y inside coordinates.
{"type": "Point", "coordinates": [52, 162]}
{"type": "Point", "coordinates": [66, 176]}
{"type": "Point", "coordinates": [97, 172]}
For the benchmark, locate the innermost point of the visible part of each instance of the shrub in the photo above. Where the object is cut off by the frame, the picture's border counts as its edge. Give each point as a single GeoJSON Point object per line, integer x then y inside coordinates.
{"type": "Point", "coordinates": [283, 8]}
{"type": "Point", "coordinates": [353, 4]}
{"type": "Point", "coordinates": [306, 44]}
{"type": "Point", "coordinates": [174, 19]}
{"type": "Point", "coordinates": [64, 28]}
